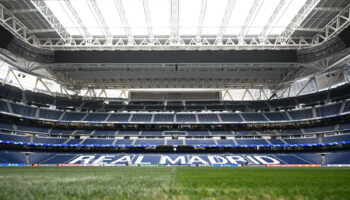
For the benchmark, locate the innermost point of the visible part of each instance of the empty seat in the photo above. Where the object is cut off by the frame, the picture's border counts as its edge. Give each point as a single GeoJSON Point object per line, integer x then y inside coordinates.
{"type": "Point", "coordinates": [164, 118]}
{"type": "Point", "coordinates": [151, 133]}
{"type": "Point", "coordinates": [73, 116]}
{"type": "Point", "coordinates": [230, 117]}
{"type": "Point", "coordinates": [23, 110]}
{"type": "Point", "coordinates": [276, 116]}
{"type": "Point", "coordinates": [301, 114]}
{"type": "Point", "coordinates": [96, 117]}
{"type": "Point", "coordinates": [149, 142]}
{"type": "Point", "coordinates": [185, 118]}
{"type": "Point", "coordinates": [50, 114]}
{"type": "Point", "coordinates": [141, 118]}
{"type": "Point", "coordinates": [251, 141]}
{"type": "Point", "coordinates": [253, 117]}
{"type": "Point", "coordinates": [225, 142]}
{"type": "Point", "coordinates": [104, 133]}
{"type": "Point", "coordinates": [128, 132]}
{"type": "Point", "coordinates": [119, 117]}
{"type": "Point", "coordinates": [327, 110]}
{"type": "Point", "coordinates": [302, 141]}
{"type": "Point", "coordinates": [174, 142]}
{"type": "Point", "coordinates": [198, 133]}
{"type": "Point", "coordinates": [98, 141]}
{"type": "Point", "coordinates": [208, 117]}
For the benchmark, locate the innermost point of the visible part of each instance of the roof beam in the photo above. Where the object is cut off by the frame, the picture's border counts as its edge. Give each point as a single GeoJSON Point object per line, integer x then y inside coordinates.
{"type": "Point", "coordinates": [309, 29]}
{"type": "Point", "coordinates": [16, 27]}
{"type": "Point", "coordinates": [329, 9]}
{"type": "Point", "coordinates": [256, 5]}
{"type": "Point", "coordinates": [41, 6]}
{"type": "Point", "coordinates": [298, 19]}
{"type": "Point", "coordinates": [101, 19]}
{"type": "Point", "coordinates": [226, 18]}
{"type": "Point", "coordinates": [87, 35]}
{"type": "Point", "coordinates": [148, 18]}
{"type": "Point", "coordinates": [174, 33]}
{"type": "Point", "coordinates": [124, 19]}
{"type": "Point", "coordinates": [20, 11]}
{"type": "Point", "coordinates": [201, 18]}
{"type": "Point", "coordinates": [335, 26]}
{"type": "Point", "coordinates": [42, 30]}
{"type": "Point", "coordinates": [264, 33]}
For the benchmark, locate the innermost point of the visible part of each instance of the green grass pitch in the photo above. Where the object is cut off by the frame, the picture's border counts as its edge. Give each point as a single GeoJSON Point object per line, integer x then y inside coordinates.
{"type": "Point", "coordinates": [173, 183]}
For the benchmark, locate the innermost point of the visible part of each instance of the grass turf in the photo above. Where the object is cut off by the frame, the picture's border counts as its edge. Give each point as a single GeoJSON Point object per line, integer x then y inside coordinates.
{"type": "Point", "coordinates": [173, 183]}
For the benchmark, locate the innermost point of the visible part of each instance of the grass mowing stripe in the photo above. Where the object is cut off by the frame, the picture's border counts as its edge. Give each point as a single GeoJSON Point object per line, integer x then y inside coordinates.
{"type": "Point", "coordinates": [173, 183]}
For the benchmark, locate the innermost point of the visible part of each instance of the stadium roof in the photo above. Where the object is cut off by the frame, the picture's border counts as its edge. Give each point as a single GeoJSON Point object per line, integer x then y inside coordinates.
{"type": "Point", "coordinates": [177, 24]}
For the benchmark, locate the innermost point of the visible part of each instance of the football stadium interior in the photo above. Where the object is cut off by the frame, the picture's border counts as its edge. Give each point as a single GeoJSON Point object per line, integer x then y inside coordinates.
{"type": "Point", "coordinates": [221, 83]}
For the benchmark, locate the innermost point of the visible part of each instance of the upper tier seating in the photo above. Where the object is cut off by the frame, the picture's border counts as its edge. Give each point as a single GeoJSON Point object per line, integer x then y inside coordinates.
{"type": "Point", "coordinates": [39, 98]}
{"type": "Point", "coordinates": [3, 106]}
{"type": "Point", "coordinates": [216, 107]}
{"type": "Point", "coordinates": [254, 117]}
{"type": "Point", "coordinates": [301, 114]}
{"type": "Point", "coordinates": [119, 117]}
{"type": "Point", "coordinates": [163, 118]}
{"type": "Point", "coordinates": [7, 126]}
{"type": "Point", "coordinates": [92, 105]}
{"type": "Point", "coordinates": [337, 138]}
{"type": "Point", "coordinates": [258, 105]}
{"type": "Point", "coordinates": [23, 110]}
{"type": "Point", "coordinates": [154, 107]}
{"type": "Point", "coordinates": [96, 117]}
{"type": "Point", "coordinates": [276, 116]}
{"type": "Point", "coordinates": [208, 117]}
{"type": "Point", "coordinates": [340, 92]}
{"type": "Point", "coordinates": [141, 118]}
{"type": "Point", "coordinates": [344, 126]}
{"type": "Point", "coordinates": [73, 116]}
{"type": "Point", "coordinates": [185, 118]}
{"type": "Point", "coordinates": [62, 102]}
{"type": "Point", "coordinates": [10, 92]}
{"type": "Point", "coordinates": [327, 110]}
{"type": "Point", "coordinates": [232, 117]}
{"type": "Point", "coordinates": [283, 103]}
{"type": "Point", "coordinates": [312, 99]}
{"type": "Point", "coordinates": [50, 114]}
{"type": "Point", "coordinates": [347, 106]}
{"type": "Point", "coordinates": [195, 107]}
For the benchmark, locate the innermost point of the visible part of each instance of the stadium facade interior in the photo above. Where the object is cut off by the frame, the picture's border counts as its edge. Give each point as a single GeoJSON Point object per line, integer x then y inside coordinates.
{"type": "Point", "coordinates": [180, 83]}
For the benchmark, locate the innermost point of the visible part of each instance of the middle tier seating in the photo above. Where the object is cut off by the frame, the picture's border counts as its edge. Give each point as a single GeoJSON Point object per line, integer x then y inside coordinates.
{"type": "Point", "coordinates": [162, 141]}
